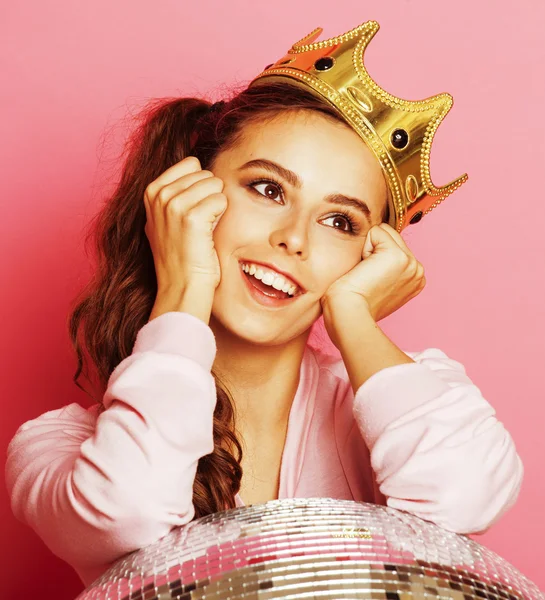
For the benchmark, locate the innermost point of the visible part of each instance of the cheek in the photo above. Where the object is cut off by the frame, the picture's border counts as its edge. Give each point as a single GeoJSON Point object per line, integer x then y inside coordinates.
{"type": "Point", "coordinates": [236, 227]}
{"type": "Point", "coordinates": [333, 265]}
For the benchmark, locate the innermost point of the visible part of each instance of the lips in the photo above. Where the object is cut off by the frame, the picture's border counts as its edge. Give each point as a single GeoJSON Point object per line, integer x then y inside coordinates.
{"type": "Point", "coordinates": [266, 289]}
{"type": "Point", "coordinates": [272, 267]}
{"type": "Point", "coordinates": [266, 298]}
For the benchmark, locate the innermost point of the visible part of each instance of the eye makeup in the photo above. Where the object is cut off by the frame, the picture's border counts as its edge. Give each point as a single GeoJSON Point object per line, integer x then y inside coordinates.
{"type": "Point", "coordinates": [352, 222]}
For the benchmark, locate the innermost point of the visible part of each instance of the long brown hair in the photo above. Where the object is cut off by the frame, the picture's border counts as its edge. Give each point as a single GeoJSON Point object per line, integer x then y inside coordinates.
{"type": "Point", "coordinates": [117, 301]}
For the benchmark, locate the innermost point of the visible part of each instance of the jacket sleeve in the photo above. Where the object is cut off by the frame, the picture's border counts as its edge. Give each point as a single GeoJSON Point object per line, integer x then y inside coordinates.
{"type": "Point", "coordinates": [435, 444]}
{"type": "Point", "coordinates": [97, 489]}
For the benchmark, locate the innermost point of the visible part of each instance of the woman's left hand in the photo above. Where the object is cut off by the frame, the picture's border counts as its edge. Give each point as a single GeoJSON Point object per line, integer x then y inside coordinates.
{"type": "Point", "coordinates": [387, 277]}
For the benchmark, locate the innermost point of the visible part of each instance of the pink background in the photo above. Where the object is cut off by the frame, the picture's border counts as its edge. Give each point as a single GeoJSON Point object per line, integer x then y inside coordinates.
{"type": "Point", "coordinates": [72, 73]}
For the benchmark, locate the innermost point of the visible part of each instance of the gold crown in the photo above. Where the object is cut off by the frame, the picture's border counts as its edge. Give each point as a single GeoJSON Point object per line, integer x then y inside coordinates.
{"type": "Point", "coordinates": [399, 132]}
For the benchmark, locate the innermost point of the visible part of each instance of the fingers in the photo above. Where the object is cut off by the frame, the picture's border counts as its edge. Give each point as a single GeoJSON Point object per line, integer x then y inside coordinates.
{"type": "Point", "coordinates": [190, 164]}
{"type": "Point", "coordinates": [172, 189]}
{"type": "Point", "coordinates": [385, 233]}
{"type": "Point", "coordinates": [378, 236]}
{"type": "Point", "coordinates": [171, 182]}
{"type": "Point", "coordinates": [419, 269]}
{"type": "Point", "coordinates": [181, 196]}
{"type": "Point", "coordinates": [188, 197]}
{"type": "Point", "coordinates": [192, 187]}
{"type": "Point", "coordinates": [208, 211]}
{"type": "Point", "coordinates": [395, 236]}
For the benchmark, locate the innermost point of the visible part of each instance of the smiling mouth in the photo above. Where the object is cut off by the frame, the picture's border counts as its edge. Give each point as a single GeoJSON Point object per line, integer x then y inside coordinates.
{"type": "Point", "coordinates": [266, 294]}
{"type": "Point", "coordinates": [288, 284]}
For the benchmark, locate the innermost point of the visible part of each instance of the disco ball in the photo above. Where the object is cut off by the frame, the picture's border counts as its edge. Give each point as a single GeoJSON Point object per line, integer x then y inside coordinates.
{"type": "Point", "coordinates": [311, 548]}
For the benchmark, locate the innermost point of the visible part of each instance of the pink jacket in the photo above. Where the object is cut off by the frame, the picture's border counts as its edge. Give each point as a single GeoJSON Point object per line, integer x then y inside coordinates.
{"type": "Point", "coordinates": [418, 437]}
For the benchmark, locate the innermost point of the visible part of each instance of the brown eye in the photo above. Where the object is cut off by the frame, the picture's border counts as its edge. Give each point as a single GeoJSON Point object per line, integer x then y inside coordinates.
{"type": "Point", "coordinates": [340, 220]}
{"type": "Point", "coordinates": [271, 190]}
{"type": "Point", "coordinates": [346, 219]}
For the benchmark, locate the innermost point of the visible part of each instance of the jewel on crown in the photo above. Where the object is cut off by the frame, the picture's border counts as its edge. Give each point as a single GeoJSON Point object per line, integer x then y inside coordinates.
{"type": "Point", "coordinates": [399, 132]}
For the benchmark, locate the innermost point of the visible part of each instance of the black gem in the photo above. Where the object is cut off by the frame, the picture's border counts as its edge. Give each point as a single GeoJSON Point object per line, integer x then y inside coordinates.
{"type": "Point", "coordinates": [400, 138]}
{"type": "Point", "coordinates": [323, 64]}
{"type": "Point", "coordinates": [416, 218]}
{"type": "Point", "coordinates": [268, 66]}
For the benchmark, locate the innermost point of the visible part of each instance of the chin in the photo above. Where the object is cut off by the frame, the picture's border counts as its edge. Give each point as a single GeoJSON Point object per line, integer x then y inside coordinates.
{"type": "Point", "coordinates": [235, 311]}
{"type": "Point", "coordinates": [248, 327]}
{"type": "Point", "coordinates": [261, 329]}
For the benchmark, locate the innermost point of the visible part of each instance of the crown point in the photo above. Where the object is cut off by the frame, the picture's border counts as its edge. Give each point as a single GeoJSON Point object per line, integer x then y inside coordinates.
{"type": "Point", "coordinates": [445, 99]}
{"type": "Point", "coordinates": [308, 39]}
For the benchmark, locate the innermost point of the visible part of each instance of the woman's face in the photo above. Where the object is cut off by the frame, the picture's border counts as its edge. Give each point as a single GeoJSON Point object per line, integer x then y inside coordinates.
{"type": "Point", "coordinates": [287, 220]}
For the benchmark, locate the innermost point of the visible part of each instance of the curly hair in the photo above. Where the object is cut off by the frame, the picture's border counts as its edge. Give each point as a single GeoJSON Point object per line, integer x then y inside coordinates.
{"type": "Point", "coordinates": [117, 301]}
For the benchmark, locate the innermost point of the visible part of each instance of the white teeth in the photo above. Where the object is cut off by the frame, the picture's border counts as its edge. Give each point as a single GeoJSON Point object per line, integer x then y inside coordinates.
{"type": "Point", "coordinates": [278, 283]}
{"type": "Point", "coordinates": [270, 278]}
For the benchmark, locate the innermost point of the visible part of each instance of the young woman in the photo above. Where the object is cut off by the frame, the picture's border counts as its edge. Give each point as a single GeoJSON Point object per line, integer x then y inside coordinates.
{"type": "Point", "coordinates": [232, 230]}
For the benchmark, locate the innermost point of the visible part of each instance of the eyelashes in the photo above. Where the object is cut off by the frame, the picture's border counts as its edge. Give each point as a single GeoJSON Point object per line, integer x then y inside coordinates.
{"type": "Point", "coordinates": [354, 226]}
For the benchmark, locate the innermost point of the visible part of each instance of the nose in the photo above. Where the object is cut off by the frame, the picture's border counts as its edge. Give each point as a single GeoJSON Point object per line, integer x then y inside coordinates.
{"type": "Point", "coordinates": [292, 234]}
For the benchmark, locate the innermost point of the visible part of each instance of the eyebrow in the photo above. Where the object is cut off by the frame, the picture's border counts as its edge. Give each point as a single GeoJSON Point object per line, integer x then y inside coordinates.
{"type": "Point", "coordinates": [293, 179]}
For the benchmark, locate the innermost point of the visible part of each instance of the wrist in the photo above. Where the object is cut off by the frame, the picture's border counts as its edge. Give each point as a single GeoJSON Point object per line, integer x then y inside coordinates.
{"type": "Point", "coordinates": [196, 299]}
{"type": "Point", "coordinates": [364, 347]}
{"type": "Point", "coordinates": [345, 306]}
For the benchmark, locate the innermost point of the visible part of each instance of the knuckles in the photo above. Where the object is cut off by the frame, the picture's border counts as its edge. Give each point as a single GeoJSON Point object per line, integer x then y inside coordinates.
{"type": "Point", "coordinates": [163, 195]}
{"type": "Point", "coordinates": [192, 161]}
{"type": "Point", "coordinates": [403, 261]}
{"type": "Point", "coordinates": [149, 191]}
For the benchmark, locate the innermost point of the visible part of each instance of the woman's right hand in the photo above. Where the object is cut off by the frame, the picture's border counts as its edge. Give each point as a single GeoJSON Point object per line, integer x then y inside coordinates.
{"type": "Point", "coordinates": [183, 207]}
